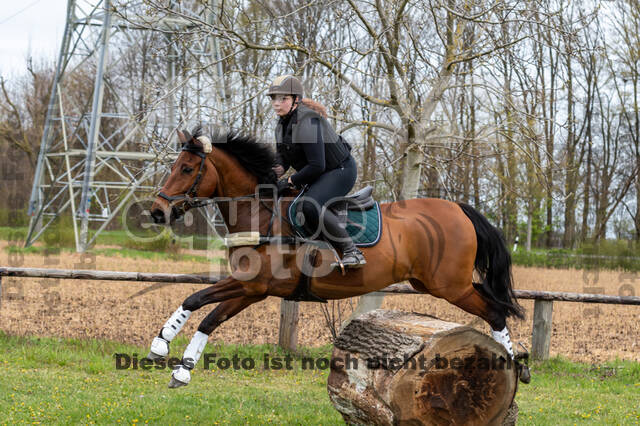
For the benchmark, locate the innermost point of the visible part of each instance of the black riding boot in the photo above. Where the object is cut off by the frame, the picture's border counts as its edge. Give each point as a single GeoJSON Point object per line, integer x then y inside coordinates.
{"type": "Point", "coordinates": [352, 257]}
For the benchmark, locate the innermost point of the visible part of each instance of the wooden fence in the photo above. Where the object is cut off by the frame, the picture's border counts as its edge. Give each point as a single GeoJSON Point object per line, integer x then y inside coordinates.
{"type": "Point", "coordinates": [542, 312]}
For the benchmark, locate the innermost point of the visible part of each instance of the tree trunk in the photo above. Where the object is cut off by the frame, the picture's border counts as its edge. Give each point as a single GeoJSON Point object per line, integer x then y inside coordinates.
{"type": "Point", "coordinates": [412, 172]}
{"type": "Point", "coordinates": [529, 227]}
{"type": "Point", "coordinates": [415, 157]}
{"type": "Point", "coordinates": [571, 179]}
{"type": "Point", "coordinates": [369, 166]}
{"type": "Point", "coordinates": [391, 367]}
{"type": "Point", "coordinates": [636, 217]}
{"type": "Point", "coordinates": [586, 206]}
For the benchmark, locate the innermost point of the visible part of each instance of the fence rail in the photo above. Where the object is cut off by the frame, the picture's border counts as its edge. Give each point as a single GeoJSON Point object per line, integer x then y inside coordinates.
{"type": "Point", "coordinates": [75, 274]}
{"type": "Point", "coordinates": [542, 312]}
{"type": "Point", "coordinates": [553, 296]}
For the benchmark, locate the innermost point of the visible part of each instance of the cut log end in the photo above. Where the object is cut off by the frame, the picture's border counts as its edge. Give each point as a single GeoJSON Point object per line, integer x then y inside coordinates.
{"type": "Point", "coordinates": [391, 367]}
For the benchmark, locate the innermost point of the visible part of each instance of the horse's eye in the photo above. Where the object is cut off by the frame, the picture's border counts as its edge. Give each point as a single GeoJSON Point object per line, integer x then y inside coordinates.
{"type": "Point", "coordinates": [187, 170]}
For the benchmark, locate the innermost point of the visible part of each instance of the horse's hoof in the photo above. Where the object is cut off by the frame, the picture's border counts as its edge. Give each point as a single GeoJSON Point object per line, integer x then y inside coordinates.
{"type": "Point", "coordinates": [159, 349]}
{"type": "Point", "coordinates": [525, 374]}
{"type": "Point", "coordinates": [180, 377]}
{"type": "Point", "coordinates": [174, 383]}
{"type": "Point", "coordinates": [155, 357]}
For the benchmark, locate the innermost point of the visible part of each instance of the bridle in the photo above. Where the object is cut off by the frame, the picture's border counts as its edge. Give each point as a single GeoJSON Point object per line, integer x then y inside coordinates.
{"type": "Point", "coordinates": [189, 196]}
{"type": "Point", "coordinates": [191, 200]}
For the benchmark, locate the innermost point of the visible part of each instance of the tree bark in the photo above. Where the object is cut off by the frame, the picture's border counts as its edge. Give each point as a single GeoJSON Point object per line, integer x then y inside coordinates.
{"type": "Point", "coordinates": [391, 367]}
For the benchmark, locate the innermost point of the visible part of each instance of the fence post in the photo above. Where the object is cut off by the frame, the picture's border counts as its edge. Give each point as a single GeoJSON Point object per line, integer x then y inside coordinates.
{"type": "Point", "coordinates": [541, 336]}
{"type": "Point", "coordinates": [288, 337]}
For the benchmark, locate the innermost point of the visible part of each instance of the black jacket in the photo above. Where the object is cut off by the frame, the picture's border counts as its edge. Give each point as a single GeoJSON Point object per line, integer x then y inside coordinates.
{"type": "Point", "coordinates": [306, 141]}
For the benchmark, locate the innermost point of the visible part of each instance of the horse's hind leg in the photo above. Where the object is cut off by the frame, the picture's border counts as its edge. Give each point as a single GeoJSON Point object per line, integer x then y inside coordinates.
{"type": "Point", "coordinates": [224, 311]}
{"type": "Point", "coordinates": [472, 301]}
{"type": "Point", "coordinates": [225, 289]}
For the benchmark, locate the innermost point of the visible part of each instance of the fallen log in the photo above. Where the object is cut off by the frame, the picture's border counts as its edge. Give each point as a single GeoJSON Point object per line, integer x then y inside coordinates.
{"type": "Point", "coordinates": [391, 367]}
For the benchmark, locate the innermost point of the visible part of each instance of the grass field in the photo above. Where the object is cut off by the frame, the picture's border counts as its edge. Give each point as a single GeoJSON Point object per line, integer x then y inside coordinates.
{"type": "Point", "coordinates": [113, 252]}
{"type": "Point", "coordinates": [76, 381]}
{"type": "Point", "coordinates": [110, 243]}
{"type": "Point", "coordinates": [607, 255]}
{"type": "Point", "coordinates": [68, 380]}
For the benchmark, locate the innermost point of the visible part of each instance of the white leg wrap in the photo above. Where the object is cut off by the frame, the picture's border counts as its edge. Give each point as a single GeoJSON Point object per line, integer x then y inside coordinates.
{"type": "Point", "coordinates": [175, 323]}
{"type": "Point", "coordinates": [503, 338]}
{"type": "Point", "coordinates": [191, 356]}
{"type": "Point", "coordinates": [194, 349]}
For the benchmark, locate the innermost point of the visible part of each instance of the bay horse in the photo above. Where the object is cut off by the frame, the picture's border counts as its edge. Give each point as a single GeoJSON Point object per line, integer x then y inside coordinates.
{"type": "Point", "coordinates": [434, 244]}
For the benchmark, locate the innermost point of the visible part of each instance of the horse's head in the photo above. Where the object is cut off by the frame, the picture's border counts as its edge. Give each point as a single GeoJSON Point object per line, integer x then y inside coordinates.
{"type": "Point", "coordinates": [193, 175]}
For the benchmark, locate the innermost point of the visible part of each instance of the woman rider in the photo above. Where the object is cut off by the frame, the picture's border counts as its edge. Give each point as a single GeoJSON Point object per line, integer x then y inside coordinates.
{"type": "Point", "coordinates": [322, 159]}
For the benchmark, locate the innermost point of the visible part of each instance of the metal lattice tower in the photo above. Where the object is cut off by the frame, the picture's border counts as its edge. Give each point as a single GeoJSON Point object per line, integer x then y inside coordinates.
{"type": "Point", "coordinates": [99, 154]}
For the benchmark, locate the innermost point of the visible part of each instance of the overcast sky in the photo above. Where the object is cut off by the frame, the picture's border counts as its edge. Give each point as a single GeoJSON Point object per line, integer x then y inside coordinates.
{"type": "Point", "coordinates": [34, 26]}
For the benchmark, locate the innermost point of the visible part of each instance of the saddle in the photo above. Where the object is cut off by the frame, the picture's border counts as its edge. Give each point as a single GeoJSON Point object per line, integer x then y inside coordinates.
{"type": "Point", "coordinates": [359, 213]}
{"type": "Point", "coordinates": [361, 200]}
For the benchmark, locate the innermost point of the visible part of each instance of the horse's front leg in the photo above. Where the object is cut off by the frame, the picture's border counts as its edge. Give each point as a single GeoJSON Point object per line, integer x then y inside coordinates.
{"type": "Point", "coordinates": [225, 289]}
{"type": "Point", "coordinates": [181, 376]}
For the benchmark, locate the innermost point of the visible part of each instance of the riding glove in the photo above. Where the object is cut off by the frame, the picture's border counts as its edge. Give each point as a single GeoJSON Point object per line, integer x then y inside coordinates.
{"type": "Point", "coordinates": [283, 184]}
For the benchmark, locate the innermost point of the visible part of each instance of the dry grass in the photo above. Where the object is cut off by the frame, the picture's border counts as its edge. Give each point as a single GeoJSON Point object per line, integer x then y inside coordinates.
{"type": "Point", "coordinates": [102, 309]}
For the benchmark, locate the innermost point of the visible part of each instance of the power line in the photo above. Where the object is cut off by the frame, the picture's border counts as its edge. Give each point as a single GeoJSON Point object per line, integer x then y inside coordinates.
{"type": "Point", "coordinates": [33, 3]}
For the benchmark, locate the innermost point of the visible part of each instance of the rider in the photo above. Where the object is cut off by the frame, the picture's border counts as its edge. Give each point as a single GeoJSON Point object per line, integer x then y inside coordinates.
{"type": "Point", "coordinates": [322, 159]}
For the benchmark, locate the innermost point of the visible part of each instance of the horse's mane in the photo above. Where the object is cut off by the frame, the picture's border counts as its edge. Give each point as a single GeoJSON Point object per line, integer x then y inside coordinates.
{"type": "Point", "coordinates": [258, 158]}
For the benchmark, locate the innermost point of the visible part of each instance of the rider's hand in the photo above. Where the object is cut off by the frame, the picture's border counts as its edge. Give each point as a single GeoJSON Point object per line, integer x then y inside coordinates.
{"type": "Point", "coordinates": [283, 184]}
{"type": "Point", "coordinates": [278, 170]}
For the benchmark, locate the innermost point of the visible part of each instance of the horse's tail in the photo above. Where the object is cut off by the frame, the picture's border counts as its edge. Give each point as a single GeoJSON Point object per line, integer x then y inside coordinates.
{"type": "Point", "coordinates": [493, 263]}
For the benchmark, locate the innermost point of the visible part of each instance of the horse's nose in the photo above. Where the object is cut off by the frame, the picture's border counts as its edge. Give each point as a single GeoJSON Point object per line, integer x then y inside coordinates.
{"type": "Point", "coordinates": [157, 215]}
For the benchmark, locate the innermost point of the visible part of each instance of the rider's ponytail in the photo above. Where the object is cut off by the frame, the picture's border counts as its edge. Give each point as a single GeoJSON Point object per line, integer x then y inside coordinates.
{"type": "Point", "coordinates": [316, 106]}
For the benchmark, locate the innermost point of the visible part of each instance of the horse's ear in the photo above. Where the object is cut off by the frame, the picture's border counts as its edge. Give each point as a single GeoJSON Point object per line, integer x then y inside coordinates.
{"type": "Point", "coordinates": [187, 136]}
{"type": "Point", "coordinates": [182, 137]}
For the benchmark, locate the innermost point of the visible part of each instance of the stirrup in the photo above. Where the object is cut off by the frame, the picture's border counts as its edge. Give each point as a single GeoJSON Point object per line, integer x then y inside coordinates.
{"type": "Point", "coordinates": [353, 259]}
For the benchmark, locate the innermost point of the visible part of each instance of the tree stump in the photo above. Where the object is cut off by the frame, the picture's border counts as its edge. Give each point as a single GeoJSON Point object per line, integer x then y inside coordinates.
{"type": "Point", "coordinates": [391, 367]}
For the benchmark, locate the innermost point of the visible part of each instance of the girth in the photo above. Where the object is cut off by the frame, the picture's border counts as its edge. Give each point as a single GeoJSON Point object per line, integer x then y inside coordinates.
{"type": "Point", "coordinates": [302, 292]}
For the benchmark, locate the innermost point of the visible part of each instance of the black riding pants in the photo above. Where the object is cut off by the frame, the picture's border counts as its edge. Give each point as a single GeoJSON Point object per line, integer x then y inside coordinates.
{"type": "Point", "coordinates": [331, 184]}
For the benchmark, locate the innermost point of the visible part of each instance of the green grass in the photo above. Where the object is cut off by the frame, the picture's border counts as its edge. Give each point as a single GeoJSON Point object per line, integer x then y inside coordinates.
{"type": "Point", "coordinates": [577, 259]}
{"type": "Point", "coordinates": [162, 249]}
{"type": "Point", "coordinates": [113, 252]}
{"type": "Point", "coordinates": [605, 255]}
{"type": "Point", "coordinates": [563, 392]}
{"type": "Point", "coordinates": [72, 381]}
{"type": "Point", "coordinates": [112, 238]}
{"type": "Point", "coordinates": [14, 233]}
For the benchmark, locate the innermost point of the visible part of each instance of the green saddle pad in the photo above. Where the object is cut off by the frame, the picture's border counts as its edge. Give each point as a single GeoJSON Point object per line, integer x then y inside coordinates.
{"type": "Point", "coordinates": [364, 226]}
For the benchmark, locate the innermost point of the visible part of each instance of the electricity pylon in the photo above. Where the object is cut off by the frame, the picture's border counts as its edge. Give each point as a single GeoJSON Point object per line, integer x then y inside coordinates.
{"type": "Point", "coordinates": [96, 156]}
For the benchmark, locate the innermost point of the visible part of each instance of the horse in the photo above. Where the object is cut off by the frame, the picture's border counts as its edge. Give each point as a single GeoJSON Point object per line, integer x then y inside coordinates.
{"type": "Point", "coordinates": [433, 244]}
